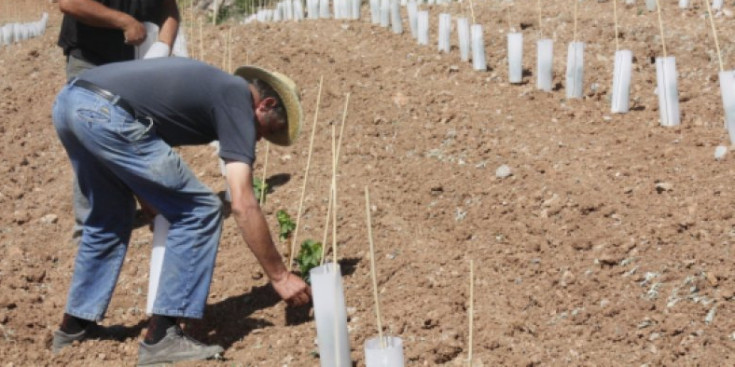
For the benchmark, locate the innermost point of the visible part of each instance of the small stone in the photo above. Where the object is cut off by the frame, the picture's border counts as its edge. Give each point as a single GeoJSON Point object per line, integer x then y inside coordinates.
{"type": "Point", "coordinates": [720, 152]}
{"type": "Point", "coordinates": [49, 219]}
{"type": "Point", "coordinates": [567, 278]}
{"type": "Point", "coordinates": [664, 186]}
{"type": "Point", "coordinates": [21, 216]}
{"type": "Point", "coordinates": [503, 171]}
{"type": "Point", "coordinates": [712, 279]}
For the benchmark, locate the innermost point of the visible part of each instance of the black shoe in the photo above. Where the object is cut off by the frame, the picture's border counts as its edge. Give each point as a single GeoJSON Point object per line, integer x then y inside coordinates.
{"type": "Point", "coordinates": [176, 347]}
{"type": "Point", "coordinates": [92, 332]}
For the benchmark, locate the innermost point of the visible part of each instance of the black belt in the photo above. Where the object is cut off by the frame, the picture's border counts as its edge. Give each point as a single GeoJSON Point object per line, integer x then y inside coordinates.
{"type": "Point", "coordinates": [107, 95]}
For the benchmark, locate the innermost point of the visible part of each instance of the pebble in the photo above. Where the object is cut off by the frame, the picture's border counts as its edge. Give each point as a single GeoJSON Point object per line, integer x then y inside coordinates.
{"type": "Point", "coordinates": [720, 152]}
{"type": "Point", "coordinates": [664, 186]}
{"type": "Point", "coordinates": [503, 171]}
{"type": "Point", "coordinates": [49, 219]}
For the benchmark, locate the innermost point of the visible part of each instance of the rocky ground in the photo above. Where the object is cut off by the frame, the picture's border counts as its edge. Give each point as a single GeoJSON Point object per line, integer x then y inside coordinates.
{"type": "Point", "coordinates": [609, 243]}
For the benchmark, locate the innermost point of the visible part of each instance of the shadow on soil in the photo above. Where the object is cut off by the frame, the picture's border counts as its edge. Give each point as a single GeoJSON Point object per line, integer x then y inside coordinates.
{"type": "Point", "coordinates": [228, 321]}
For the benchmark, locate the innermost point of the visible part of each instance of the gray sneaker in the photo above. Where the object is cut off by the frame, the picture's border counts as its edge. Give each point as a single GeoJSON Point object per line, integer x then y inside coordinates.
{"type": "Point", "coordinates": [175, 347]}
{"type": "Point", "coordinates": [92, 332]}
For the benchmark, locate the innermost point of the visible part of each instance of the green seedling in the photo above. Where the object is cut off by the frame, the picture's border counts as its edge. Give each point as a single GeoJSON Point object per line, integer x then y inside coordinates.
{"type": "Point", "coordinates": [285, 225]}
{"type": "Point", "coordinates": [309, 258]}
{"type": "Point", "coordinates": [260, 187]}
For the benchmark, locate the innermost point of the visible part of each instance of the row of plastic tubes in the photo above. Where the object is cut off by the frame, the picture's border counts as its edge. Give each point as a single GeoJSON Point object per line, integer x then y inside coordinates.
{"type": "Point", "coordinates": [471, 41]}
{"type": "Point", "coordinates": [17, 32]}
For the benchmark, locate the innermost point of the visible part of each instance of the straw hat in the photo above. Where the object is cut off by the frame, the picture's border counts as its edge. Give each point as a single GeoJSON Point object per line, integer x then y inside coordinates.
{"type": "Point", "coordinates": [287, 91]}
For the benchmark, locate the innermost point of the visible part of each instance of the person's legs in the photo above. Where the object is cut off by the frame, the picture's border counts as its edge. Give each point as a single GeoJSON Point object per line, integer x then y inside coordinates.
{"type": "Point", "coordinates": [132, 157]}
{"type": "Point", "coordinates": [80, 204]}
{"type": "Point", "coordinates": [109, 222]}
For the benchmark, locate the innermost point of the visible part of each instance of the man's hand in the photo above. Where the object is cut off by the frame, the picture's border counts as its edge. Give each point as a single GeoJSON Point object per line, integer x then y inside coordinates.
{"type": "Point", "coordinates": [134, 32]}
{"type": "Point", "coordinates": [292, 289]}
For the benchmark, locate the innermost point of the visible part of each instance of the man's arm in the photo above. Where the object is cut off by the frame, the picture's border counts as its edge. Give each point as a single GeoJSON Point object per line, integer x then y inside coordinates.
{"type": "Point", "coordinates": [169, 23]}
{"type": "Point", "coordinates": [254, 230]}
{"type": "Point", "coordinates": [95, 14]}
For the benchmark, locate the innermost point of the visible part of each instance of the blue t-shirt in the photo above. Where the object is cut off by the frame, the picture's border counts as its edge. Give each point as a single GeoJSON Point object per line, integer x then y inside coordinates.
{"type": "Point", "coordinates": [191, 102]}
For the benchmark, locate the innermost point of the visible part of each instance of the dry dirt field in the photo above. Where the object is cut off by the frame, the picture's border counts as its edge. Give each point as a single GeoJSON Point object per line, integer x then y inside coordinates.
{"type": "Point", "coordinates": [611, 244]}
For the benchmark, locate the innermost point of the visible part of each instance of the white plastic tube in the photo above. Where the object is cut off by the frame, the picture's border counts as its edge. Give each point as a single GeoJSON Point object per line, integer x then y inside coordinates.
{"type": "Point", "coordinates": [445, 31]}
{"type": "Point", "coordinates": [412, 10]}
{"type": "Point", "coordinates": [727, 88]}
{"type": "Point", "coordinates": [287, 9]}
{"type": "Point", "coordinates": [717, 4]}
{"type": "Point", "coordinates": [575, 70]}
{"type": "Point", "coordinates": [515, 57]}
{"type": "Point", "coordinates": [278, 13]}
{"type": "Point", "coordinates": [312, 9]}
{"type": "Point", "coordinates": [423, 27]}
{"type": "Point", "coordinates": [651, 5]}
{"type": "Point", "coordinates": [478, 48]}
{"type": "Point", "coordinates": [621, 81]}
{"type": "Point", "coordinates": [298, 10]}
{"type": "Point", "coordinates": [355, 9]}
{"type": "Point", "coordinates": [324, 9]}
{"type": "Point", "coordinates": [668, 93]}
{"type": "Point", "coordinates": [337, 6]}
{"type": "Point", "coordinates": [390, 356]}
{"type": "Point", "coordinates": [683, 4]}
{"type": "Point", "coordinates": [463, 33]}
{"type": "Point", "coordinates": [330, 315]}
{"type": "Point", "coordinates": [375, 11]}
{"type": "Point", "coordinates": [544, 64]}
{"type": "Point", "coordinates": [180, 48]}
{"type": "Point", "coordinates": [160, 233]}
{"type": "Point", "coordinates": [384, 13]}
{"type": "Point", "coordinates": [151, 36]}
{"type": "Point", "coordinates": [395, 16]}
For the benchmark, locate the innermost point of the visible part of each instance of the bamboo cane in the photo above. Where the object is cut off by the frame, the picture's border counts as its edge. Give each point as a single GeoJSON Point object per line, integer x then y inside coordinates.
{"type": "Point", "coordinates": [306, 176]}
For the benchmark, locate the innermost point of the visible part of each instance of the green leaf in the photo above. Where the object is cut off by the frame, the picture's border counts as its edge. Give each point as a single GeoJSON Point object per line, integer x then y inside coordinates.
{"type": "Point", "coordinates": [260, 187]}
{"type": "Point", "coordinates": [285, 224]}
{"type": "Point", "coordinates": [309, 257]}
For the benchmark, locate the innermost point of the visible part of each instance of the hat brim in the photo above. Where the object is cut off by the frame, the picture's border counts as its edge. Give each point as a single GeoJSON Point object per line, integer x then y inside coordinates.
{"type": "Point", "coordinates": [287, 91]}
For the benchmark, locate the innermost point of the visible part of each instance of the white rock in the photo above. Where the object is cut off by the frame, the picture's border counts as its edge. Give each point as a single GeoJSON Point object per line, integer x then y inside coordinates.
{"type": "Point", "coordinates": [503, 171]}
{"type": "Point", "coordinates": [720, 152]}
{"type": "Point", "coordinates": [49, 219]}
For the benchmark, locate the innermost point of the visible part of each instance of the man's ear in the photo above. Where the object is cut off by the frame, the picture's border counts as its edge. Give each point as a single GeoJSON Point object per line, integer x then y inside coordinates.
{"type": "Point", "coordinates": [269, 102]}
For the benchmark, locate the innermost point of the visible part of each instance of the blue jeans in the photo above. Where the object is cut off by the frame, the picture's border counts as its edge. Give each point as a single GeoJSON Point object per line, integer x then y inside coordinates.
{"type": "Point", "coordinates": [114, 156]}
{"type": "Point", "coordinates": [74, 67]}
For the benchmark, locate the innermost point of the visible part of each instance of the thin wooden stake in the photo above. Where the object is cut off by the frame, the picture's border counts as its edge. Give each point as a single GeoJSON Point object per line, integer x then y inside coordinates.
{"type": "Point", "coordinates": [224, 52]}
{"type": "Point", "coordinates": [334, 197]}
{"type": "Point", "coordinates": [306, 176]}
{"type": "Point", "coordinates": [576, 11]}
{"type": "Point", "coordinates": [201, 41]}
{"type": "Point", "coordinates": [510, 27]}
{"type": "Point", "coordinates": [265, 170]}
{"type": "Point", "coordinates": [661, 26]}
{"type": "Point", "coordinates": [615, 15]}
{"type": "Point", "coordinates": [472, 12]}
{"type": "Point", "coordinates": [229, 50]}
{"type": "Point", "coordinates": [339, 148]}
{"type": "Point", "coordinates": [538, 5]}
{"type": "Point", "coordinates": [471, 310]}
{"type": "Point", "coordinates": [372, 268]}
{"type": "Point", "coordinates": [714, 33]}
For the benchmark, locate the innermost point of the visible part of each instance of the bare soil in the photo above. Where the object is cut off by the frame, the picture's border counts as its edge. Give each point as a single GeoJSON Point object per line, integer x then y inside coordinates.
{"type": "Point", "coordinates": [610, 244]}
